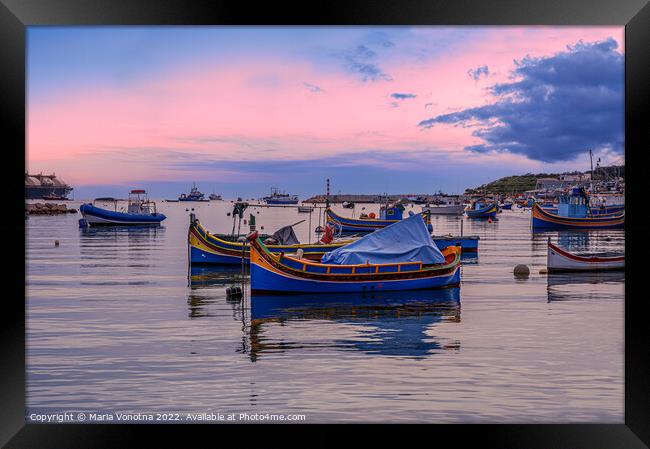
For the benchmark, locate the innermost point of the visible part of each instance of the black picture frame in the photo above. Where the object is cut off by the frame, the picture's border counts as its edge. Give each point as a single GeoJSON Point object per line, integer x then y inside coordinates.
{"type": "Point", "coordinates": [16, 15]}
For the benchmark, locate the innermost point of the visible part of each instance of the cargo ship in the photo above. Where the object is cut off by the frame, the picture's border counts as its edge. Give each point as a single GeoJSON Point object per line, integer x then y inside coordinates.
{"type": "Point", "coordinates": [46, 187]}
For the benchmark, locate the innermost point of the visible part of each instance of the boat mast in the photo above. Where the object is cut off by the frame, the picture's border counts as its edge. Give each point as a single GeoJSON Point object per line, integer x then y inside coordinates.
{"type": "Point", "coordinates": [591, 162]}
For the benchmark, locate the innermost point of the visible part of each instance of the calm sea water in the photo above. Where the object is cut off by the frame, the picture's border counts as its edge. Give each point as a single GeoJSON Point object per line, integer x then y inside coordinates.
{"type": "Point", "coordinates": [114, 325]}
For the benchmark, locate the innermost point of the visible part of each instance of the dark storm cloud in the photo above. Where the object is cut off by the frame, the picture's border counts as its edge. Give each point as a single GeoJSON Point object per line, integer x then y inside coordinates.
{"type": "Point", "coordinates": [556, 108]}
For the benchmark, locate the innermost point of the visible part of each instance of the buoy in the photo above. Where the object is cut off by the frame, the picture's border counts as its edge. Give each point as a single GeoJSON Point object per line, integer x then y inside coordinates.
{"type": "Point", "coordinates": [56, 243]}
{"type": "Point", "coordinates": [489, 219]}
{"type": "Point", "coordinates": [521, 270]}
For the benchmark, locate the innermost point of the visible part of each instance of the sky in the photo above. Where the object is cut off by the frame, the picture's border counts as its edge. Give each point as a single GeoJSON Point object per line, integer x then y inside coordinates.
{"type": "Point", "coordinates": [239, 110]}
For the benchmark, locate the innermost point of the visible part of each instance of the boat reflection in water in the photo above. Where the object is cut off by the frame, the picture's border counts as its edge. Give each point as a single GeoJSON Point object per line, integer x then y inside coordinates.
{"type": "Point", "coordinates": [575, 285]}
{"type": "Point", "coordinates": [386, 323]}
{"type": "Point", "coordinates": [107, 247]}
{"type": "Point", "coordinates": [202, 301]}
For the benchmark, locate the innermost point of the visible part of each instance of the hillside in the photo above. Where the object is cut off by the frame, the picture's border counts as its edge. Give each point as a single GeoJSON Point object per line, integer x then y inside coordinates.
{"type": "Point", "coordinates": [521, 183]}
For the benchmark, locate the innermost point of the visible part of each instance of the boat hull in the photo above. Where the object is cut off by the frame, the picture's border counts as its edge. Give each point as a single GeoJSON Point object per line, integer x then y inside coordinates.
{"type": "Point", "coordinates": [542, 219]}
{"type": "Point", "coordinates": [506, 206]}
{"type": "Point", "coordinates": [607, 210]}
{"type": "Point", "coordinates": [267, 281]}
{"type": "Point", "coordinates": [209, 249]}
{"type": "Point", "coordinates": [445, 210]}
{"type": "Point", "coordinates": [489, 211]}
{"type": "Point", "coordinates": [96, 216]}
{"type": "Point", "coordinates": [355, 224]}
{"type": "Point", "coordinates": [559, 260]}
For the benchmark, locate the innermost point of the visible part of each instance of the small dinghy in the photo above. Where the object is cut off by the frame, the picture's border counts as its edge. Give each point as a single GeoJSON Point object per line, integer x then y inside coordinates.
{"type": "Point", "coordinates": [140, 211]}
{"type": "Point", "coordinates": [559, 259]}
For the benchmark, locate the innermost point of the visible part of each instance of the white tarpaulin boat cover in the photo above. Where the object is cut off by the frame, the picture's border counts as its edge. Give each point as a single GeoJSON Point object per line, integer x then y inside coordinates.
{"type": "Point", "coordinates": [407, 240]}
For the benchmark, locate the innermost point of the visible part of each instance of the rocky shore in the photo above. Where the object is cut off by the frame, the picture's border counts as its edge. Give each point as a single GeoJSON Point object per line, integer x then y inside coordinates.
{"type": "Point", "coordinates": [47, 209]}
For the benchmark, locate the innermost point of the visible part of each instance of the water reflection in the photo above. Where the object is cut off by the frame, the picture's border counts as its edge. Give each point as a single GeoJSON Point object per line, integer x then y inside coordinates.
{"type": "Point", "coordinates": [111, 242]}
{"type": "Point", "coordinates": [389, 323]}
{"type": "Point", "coordinates": [205, 276]}
{"type": "Point", "coordinates": [203, 300]}
{"type": "Point", "coordinates": [119, 255]}
{"type": "Point", "coordinates": [574, 240]}
{"type": "Point", "coordinates": [580, 241]}
{"type": "Point", "coordinates": [576, 286]}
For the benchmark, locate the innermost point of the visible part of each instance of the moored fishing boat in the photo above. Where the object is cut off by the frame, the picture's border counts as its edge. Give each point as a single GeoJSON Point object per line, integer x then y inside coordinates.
{"type": "Point", "coordinates": [574, 212]}
{"type": "Point", "coordinates": [506, 205]}
{"type": "Point", "coordinates": [559, 259]}
{"type": "Point", "coordinates": [399, 257]}
{"type": "Point", "coordinates": [388, 215]}
{"type": "Point", "coordinates": [140, 211]}
{"type": "Point", "coordinates": [225, 249]}
{"type": "Point", "coordinates": [480, 209]}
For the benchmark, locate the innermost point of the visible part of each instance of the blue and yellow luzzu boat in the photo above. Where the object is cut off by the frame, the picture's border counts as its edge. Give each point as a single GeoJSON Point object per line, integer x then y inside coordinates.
{"type": "Point", "coordinates": [408, 260]}
{"type": "Point", "coordinates": [211, 249]}
{"type": "Point", "coordinates": [388, 215]}
{"type": "Point", "coordinates": [573, 212]}
{"type": "Point", "coordinates": [600, 210]}
{"type": "Point", "coordinates": [481, 210]}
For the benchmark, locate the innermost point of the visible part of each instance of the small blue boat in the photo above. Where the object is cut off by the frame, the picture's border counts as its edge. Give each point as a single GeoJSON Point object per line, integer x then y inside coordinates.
{"type": "Point", "coordinates": [400, 257]}
{"type": "Point", "coordinates": [480, 209]}
{"type": "Point", "coordinates": [140, 211]}
{"type": "Point", "coordinates": [506, 206]}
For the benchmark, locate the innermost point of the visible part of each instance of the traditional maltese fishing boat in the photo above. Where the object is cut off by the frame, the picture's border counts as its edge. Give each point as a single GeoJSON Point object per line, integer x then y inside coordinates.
{"type": "Point", "coordinates": [479, 209]}
{"type": "Point", "coordinates": [559, 259]}
{"type": "Point", "coordinates": [574, 212]}
{"type": "Point", "coordinates": [401, 256]}
{"type": "Point", "coordinates": [228, 249]}
{"type": "Point", "coordinates": [388, 215]}
{"type": "Point", "coordinates": [140, 211]}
